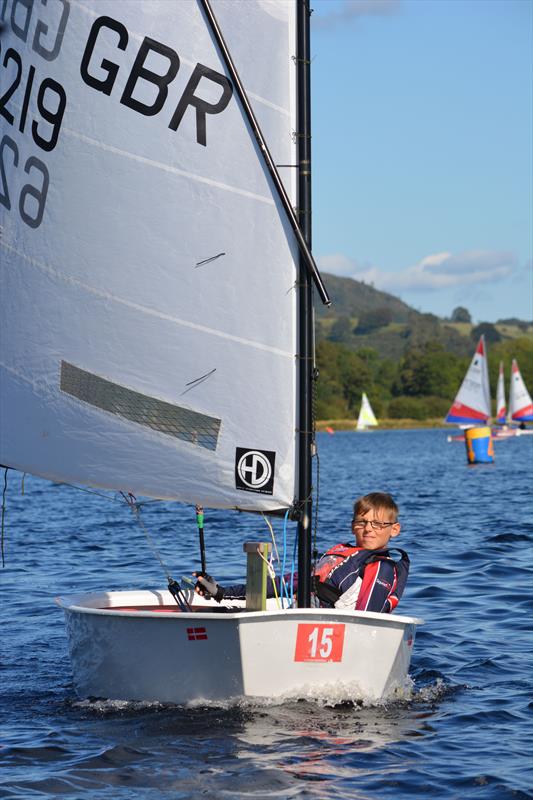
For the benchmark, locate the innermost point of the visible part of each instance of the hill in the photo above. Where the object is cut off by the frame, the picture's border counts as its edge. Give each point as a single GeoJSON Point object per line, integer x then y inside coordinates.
{"type": "Point", "coordinates": [410, 364]}
{"type": "Point", "coordinates": [352, 298]}
{"type": "Point", "coordinates": [362, 317]}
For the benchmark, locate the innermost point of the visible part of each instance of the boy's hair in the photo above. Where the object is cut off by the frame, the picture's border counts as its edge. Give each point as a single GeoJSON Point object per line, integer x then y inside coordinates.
{"type": "Point", "coordinates": [376, 500]}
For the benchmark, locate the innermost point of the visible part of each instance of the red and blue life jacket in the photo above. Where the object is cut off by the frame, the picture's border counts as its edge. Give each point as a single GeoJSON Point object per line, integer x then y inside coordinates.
{"type": "Point", "coordinates": [366, 580]}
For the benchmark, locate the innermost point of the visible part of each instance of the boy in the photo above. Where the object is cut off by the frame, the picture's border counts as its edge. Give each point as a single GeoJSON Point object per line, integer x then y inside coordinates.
{"type": "Point", "coordinates": [363, 577]}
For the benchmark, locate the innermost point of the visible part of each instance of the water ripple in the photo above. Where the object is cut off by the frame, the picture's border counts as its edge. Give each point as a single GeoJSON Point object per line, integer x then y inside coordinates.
{"type": "Point", "coordinates": [461, 728]}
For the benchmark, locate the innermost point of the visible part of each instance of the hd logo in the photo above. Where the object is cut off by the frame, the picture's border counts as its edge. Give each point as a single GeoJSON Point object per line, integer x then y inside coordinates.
{"type": "Point", "coordinates": [254, 470]}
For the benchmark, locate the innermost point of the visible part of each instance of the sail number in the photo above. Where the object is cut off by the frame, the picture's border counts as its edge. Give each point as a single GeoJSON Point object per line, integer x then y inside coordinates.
{"type": "Point", "coordinates": [50, 101]}
{"type": "Point", "coordinates": [31, 198]}
{"type": "Point", "coordinates": [319, 642]}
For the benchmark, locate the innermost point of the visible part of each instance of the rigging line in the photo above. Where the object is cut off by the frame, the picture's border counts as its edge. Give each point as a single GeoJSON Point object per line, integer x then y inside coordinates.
{"type": "Point", "coordinates": [271, 573]}
{"type": "Point", "coordinates": [314, 399]}
{"type": "Point", "coordinates": [276, 553]}
{"type": "Point", "coordinates": [271, 529]}
{"type": "Point", "coordinates": [135, 507]}
{"type": "Point", "coordinates": [173, 586]}
{"type": "Point", "coordinates": [263, 147]}
{"type": "Point", "coordinates": [315, 517]}
{"type": "Point", "coordinates": [293, 566]}
{"type": "Point", "coordinates": [3, 513]}
{"type": "Point", "coordinates": [113, 499]}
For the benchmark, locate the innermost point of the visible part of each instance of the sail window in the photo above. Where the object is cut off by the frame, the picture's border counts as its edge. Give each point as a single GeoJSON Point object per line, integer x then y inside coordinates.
{"type": "Point", "coordinates": [182, 423]}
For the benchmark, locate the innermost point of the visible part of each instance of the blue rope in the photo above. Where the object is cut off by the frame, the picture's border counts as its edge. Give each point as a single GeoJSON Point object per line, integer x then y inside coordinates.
{"type": "Point", "coordinates": [283, 587]}
{"type": "Point", "coordinates": [293, 566]}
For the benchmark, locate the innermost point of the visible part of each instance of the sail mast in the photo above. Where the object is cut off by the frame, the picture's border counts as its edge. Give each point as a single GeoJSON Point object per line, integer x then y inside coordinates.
{"type": "Point", "coordinates": [305, 307]}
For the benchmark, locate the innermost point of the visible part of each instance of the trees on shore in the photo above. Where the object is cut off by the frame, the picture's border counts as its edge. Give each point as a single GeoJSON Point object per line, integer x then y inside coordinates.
{"type": "Point", "coordinates": [420, 385]}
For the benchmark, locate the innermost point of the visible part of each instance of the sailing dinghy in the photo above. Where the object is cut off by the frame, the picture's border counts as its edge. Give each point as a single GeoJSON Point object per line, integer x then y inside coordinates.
{"type": "Point", "coordinates": [157, 334]}
{"type": "Point", "coordinates": [366, 418]}
{"type": "Point", "coordinates": [471, 406]}
{"type": "Point", "coordinates": [501, 430]}
{"type": "Point", "coordinates": [472, 402]}
{"type": "Point", "coordinates": [520, 403]}
{"type": "Point", "coordinates": [501, 407]}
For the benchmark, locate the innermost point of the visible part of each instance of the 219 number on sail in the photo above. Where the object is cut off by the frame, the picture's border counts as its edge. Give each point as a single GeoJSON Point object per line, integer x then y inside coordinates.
{"type": "Point", "coordinates": [319, 642]}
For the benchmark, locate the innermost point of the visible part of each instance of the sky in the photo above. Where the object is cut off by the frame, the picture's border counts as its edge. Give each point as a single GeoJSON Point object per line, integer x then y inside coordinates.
{"type": "Point", "coordinates": [422, 150]}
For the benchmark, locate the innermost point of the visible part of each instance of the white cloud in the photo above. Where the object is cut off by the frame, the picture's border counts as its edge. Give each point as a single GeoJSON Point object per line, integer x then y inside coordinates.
{"type": "Point", "coordinates": [349, 10]}
{"type": "Point", "coordinates": [433, 273]}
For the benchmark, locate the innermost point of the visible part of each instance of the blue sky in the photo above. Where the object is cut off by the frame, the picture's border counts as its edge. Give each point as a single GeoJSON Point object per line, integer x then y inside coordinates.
{"type": "Point", "coordinates": [422, 150]}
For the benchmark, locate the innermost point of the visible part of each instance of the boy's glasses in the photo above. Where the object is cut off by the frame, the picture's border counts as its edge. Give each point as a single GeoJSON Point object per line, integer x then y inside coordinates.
{"type": "Point", "coordinates": [374, 524]}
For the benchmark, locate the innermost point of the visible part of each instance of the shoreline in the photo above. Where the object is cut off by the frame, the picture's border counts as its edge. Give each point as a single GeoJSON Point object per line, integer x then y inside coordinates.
{"type": "Point", "coordinates": [384, 424]}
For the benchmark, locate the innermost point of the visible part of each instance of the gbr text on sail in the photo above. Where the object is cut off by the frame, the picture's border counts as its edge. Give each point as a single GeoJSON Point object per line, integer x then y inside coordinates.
{"type": "Point", "coordinates": [43, 57]}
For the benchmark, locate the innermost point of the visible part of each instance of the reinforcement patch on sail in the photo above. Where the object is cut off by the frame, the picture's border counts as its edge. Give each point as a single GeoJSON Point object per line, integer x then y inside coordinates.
{"type": "Point", "coordinates": [172, 420]}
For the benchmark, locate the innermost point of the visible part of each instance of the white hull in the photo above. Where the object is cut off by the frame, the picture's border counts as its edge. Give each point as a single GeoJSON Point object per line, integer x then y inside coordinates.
{"type": "Point", "coordinates": [176, 657]}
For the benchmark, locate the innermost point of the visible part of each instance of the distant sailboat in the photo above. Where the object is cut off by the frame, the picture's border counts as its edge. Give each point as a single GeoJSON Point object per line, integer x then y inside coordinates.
{"type": "Point", "coordinates": [472, 402]}
{"type": "Point", "coordinates": [501, 408]}
{"type": "Point", "coordinates": [520, 403]}
{"type": "Point", "coordinates": [366, 418]}
{"type": "Point", "coordinates": [502, 430]}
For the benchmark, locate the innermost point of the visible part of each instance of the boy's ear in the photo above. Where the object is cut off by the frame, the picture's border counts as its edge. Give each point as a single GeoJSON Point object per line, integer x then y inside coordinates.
{"type": "Point", "coordinates": [395, 529]}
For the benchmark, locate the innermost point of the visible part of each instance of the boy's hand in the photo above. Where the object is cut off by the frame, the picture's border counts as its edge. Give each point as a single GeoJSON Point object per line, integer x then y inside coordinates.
{"type": "Point", "coordinates": [206, 586]}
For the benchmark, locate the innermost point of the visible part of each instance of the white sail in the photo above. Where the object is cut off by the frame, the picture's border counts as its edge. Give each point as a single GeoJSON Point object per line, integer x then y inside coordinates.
{"type": "Point", "coordinates": [472, 402]}
{"type": "Point", "coordinates": [148, 331]}
{"type": "Point", "coordinates": [501, 408]}
{"type": "Point", "coordinates": [520, 403]}
{"type": "Point", "coordinates": [366, 415]}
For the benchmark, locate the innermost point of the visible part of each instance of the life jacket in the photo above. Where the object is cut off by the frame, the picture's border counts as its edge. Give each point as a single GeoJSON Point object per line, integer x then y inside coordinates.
{"type": "Point", "coordinates": [366, 580]}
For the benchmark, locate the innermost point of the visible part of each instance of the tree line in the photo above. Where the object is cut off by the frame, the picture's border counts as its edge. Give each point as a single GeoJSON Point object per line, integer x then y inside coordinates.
{"type": "Point", "coordinates": [419, 385]}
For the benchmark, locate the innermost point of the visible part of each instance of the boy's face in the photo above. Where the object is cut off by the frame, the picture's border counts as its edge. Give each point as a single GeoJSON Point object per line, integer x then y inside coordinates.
{"type": "Point", "coordinates": [374, 537]}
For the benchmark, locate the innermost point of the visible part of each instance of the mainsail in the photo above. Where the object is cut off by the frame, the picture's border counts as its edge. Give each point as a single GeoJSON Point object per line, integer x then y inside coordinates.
{"type": "Point", "coordinates": [520, 403]}
{"type": "Point", "coordinates": [501, 408]}
{"type": "Point", "coordinates": [366, 416]}
{"type": "Point", "coordinates": [472, 402]}
{"type": "Point", "coordinates": [148, 331]}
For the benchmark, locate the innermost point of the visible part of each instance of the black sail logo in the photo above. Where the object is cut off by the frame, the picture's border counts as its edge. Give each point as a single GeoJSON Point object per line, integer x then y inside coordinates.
{"type": "Point", "coordinates": [254, 470]}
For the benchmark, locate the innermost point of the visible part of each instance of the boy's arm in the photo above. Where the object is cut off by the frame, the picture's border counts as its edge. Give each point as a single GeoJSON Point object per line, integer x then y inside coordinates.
{"type": "Point", "coordinates": [238, 590]}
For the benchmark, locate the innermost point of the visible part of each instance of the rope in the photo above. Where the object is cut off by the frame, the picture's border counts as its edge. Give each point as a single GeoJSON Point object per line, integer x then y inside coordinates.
{"type": "Point", "coordinates": [293, 566]}
{"type": "Point", "coordinates": [276, 552]}
{"type": "Point", "coordinates": [284, 584]}
{"type": "Point", "coordinates": [314, 397]}
{"type": "Point", "coordinates": [272, 574]}
{"type": "Point", "coordinates": [3, 514]}
{"type": "Point", "coordinates": [173, 586]}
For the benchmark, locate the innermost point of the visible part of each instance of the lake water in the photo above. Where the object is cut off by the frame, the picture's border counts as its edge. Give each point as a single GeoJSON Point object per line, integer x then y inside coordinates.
{"type": "Point", "coordinates": [464, 730]}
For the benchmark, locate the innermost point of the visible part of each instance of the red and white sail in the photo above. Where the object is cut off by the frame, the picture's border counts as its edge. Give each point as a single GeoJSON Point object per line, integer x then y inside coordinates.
{"type": "Point", "coordinates": [520, 403]}
{"type": "Point", "coordinates": [472, 402]}
{"type": "Point", "coordinates": [501, 408]}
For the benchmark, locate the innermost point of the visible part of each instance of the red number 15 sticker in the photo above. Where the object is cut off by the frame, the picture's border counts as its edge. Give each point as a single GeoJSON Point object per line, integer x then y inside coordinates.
{"type": "Point", "coordinates": [319, 642]}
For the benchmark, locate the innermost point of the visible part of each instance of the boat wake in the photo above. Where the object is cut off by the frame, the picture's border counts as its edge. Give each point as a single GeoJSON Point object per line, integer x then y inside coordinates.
{"type": "Point", "coordinates": [334, 696]}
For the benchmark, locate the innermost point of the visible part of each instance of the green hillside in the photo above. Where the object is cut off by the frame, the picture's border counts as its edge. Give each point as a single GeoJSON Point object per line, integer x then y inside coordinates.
{"type": "Point", "coordinates": [409, 363]}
